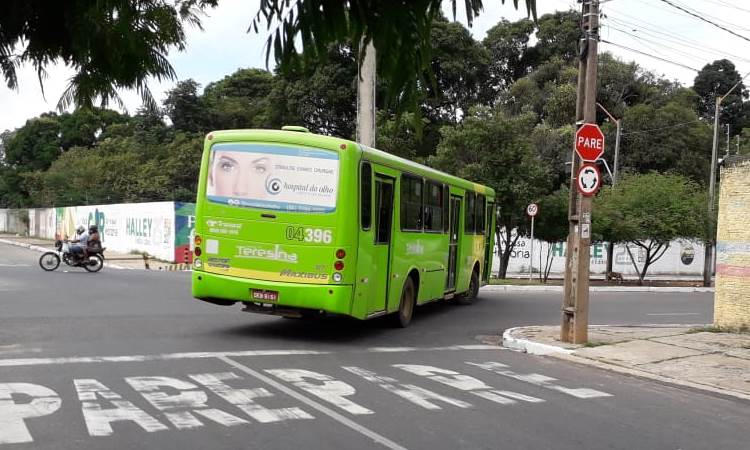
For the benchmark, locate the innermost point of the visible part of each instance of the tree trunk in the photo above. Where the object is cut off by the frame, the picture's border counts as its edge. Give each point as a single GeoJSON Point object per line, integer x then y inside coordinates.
{"type": "Point", "coordinates": [610, 260]}
{"type": "Point", "coordinates": [506, 250]}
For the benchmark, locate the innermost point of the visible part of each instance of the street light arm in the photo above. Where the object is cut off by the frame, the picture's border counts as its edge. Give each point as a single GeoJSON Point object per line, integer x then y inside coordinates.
{"type": "Point", "coordinates": [721, 98]}
{"type": "Point", "coordinates": [607, 113]}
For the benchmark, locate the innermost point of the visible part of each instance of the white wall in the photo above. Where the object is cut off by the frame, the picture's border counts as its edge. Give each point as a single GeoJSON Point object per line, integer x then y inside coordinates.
{"type": "Point", "coordinates": [125, 228]}
{"type": "Point", "coordinates": [676, 261]}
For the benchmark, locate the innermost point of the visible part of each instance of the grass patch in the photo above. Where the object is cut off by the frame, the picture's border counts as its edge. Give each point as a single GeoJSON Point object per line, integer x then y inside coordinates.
{"type": "Point", "coordinates": [515, 281]}
{"type": "Point", "coordinates": [714, 329]}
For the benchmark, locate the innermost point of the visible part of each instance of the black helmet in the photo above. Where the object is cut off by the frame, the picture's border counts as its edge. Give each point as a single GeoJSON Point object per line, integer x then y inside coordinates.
{"type": "Point", "coordinates": [93, 229]}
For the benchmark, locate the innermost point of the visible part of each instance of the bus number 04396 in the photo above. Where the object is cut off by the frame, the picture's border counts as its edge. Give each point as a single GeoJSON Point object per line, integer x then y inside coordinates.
{"type": "Point", "coordinates": [316, 235]}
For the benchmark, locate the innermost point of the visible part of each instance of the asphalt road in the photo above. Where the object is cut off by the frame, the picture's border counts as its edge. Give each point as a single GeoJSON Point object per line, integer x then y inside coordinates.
{"type": "Point", "coordinates": [127, 359]}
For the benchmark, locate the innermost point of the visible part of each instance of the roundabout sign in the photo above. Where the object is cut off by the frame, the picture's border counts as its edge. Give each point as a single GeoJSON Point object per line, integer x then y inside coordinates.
{"type": "Point", "coordinates": [589, 179]}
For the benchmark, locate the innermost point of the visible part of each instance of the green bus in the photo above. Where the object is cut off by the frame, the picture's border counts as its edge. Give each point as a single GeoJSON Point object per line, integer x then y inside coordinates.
{"type": "Point", "coordinates": [292, 223]}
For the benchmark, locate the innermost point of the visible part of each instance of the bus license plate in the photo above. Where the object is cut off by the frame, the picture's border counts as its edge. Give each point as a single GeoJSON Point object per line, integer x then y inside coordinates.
{"type": "Point", "coordinates": [263, 295]}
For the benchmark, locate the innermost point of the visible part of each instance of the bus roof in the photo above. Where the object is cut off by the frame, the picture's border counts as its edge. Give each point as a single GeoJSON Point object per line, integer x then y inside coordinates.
{"type": "Point", "coordinates": [334, 143]}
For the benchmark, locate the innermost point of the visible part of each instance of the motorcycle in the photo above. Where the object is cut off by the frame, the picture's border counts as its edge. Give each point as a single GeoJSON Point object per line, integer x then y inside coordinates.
{"type": "Point", "coordinates": [93, 262]}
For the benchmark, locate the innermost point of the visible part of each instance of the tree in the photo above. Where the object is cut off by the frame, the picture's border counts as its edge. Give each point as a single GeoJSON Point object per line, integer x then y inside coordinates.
{"type": "Point", "coordinates": [649, 211]}
{"type": "Point", "coordinates": [240, 100]}
{"type": "Point", "coordinates": [493, 149]}
{"type": "Point", "coordinates": [401, 28]}
{"type": "Point", "coordinates": [184, 107]}
{"type": "Point", "coordinates": [558, 35]}
{"type": "Point", "coordinates": [110, 44]}
{"type": "Point", "coordinates": [551, 225]}
{"type": "Point", "coordinates": [511, 57]}
{"type": "Point", "coordinates": [714, 80]}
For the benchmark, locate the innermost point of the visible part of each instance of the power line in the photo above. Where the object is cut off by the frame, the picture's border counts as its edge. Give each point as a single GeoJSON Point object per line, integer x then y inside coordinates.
{"type": "Point", "coordinates": [697, 16]}
{"type": "Point", "coordinates": [674, 38]}
{"type": "Point", "coordinates": [683, 53]}
{"type": "Point", "coordinates": [676, 125]}
{"type": "Point", "coordinates": [704, 14]}
{"type": "Point", "coordinates": [651, 56]}
{"type": "Point", "coordinates": [727, 4]}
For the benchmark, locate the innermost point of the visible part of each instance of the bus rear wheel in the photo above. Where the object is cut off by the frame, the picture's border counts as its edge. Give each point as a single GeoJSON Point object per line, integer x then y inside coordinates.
{"type": "Point", "coordinates": [469, 296]}
{"type": "Point", "coordinates": [403, 317]}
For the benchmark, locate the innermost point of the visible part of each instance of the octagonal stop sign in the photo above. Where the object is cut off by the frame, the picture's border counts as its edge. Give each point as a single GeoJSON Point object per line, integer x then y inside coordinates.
{"type": "Point", "coordinates": [589, 142]}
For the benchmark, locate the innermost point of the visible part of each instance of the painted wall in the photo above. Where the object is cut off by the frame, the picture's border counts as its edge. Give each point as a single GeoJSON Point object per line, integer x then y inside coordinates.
{"type": "Point", "coordinates": [161, 229]}
{"type": "Point", "coordinates": [732, 301]}
{"type": "Point", "coordinates": [682, 258]}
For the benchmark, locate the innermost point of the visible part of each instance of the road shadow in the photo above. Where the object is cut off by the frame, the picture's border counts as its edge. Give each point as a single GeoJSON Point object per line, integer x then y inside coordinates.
{"type": "Point", "coordinates": [346, 330]}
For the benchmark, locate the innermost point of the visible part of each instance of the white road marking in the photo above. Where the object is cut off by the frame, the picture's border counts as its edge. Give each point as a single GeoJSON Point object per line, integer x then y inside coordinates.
{"type": "Point", "coordinates": [673, 314]}
{"type": "Point", "coordinates": [415, 394]}
{"type": "Point", "coordinates": [44, 401]}
{"type": "Point", "coordinates": [99, 420]}
{"type": "Point", "coordinates": [331, 390]}
{"type": "Point", "coordinates": [466, 383]}
{"type": "Point", "coordinates": [378, 438]}
{"type": "Point", "coordinates": [15, 265]}
{"type": "Point", "coordinates": [179, 408]}
{"type": "Point", "coordinates": [245, 399]}
{"type": "Point", "coordinates": [539, 380]}
{"type": "Point", "coordinates": [233, 354]}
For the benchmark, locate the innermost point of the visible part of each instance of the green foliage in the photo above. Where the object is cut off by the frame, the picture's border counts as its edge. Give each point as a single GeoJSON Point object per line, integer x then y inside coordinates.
{"type": "Point", "coordinates": [400, 28]}
{"type": "Point", "coordinates": [110, 44]}
{"type": "Point", "coordinates": [650, 210]}
{"type": "Point", "coordinates": [715, 80]}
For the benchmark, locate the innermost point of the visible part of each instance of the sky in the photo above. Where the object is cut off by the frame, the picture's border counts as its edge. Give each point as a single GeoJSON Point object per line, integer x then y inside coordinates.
{"type": "Point", "coordinates": [647, 26]}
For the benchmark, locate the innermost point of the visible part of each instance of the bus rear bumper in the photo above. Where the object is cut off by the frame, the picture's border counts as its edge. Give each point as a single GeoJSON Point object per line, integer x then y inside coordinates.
{"type": "Point", "coordinates": [224, 289]}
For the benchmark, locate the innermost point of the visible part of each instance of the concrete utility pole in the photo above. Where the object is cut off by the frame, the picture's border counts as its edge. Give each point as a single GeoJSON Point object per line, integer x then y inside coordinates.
{"type": "Point", "coordinates": [366, 96]}
{"type": "Point", "coordinates": [575, 309]}
{"type": "Point", "coordinates": [708, 263]}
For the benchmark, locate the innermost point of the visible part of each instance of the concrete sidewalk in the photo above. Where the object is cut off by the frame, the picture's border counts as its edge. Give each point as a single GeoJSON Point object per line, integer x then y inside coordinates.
{"type": "Point", "coordinates": [692, 356]}
{"type": "Point", "coordinates": [113, 259]}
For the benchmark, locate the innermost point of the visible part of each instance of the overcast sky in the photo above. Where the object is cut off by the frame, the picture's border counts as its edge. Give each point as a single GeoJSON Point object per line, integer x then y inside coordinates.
{"type": "Point", "coordinates": [649, 26]}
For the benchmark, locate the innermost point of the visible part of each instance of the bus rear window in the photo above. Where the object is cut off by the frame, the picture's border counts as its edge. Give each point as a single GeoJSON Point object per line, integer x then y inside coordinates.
{"type": "Point", "coordinates": [279, 177]}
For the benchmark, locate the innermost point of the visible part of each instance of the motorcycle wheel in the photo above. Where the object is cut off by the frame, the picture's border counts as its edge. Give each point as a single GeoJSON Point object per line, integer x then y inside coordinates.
{"type": "Point", "coordinates": [49, 261]}
{"type": "Point", "coordinates": [94, 263]}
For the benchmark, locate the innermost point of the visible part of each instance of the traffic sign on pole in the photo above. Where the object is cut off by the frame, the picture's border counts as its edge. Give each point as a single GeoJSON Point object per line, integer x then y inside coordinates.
{"type": "Point", "coordinates": [532, 209]}
{"type": "Point", "coordinates": [589, 142]}
{"type": "Point", "coordinates": [589, 179]}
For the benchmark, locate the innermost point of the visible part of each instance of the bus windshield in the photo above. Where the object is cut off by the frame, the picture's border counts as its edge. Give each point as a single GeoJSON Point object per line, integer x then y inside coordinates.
{"type": "Point", "coordinates": [271, 176]}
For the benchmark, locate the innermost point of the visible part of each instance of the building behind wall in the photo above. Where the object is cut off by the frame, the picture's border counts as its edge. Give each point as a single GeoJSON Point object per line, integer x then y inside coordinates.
{"type": "Point", "coordinates": [732, 302]}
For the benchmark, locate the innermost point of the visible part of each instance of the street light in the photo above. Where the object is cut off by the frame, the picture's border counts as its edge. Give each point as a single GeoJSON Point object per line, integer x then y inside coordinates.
{"type": "Point", "coordinates": [708, 254]}
{"type": "Point", "coordinates": [617, 142]}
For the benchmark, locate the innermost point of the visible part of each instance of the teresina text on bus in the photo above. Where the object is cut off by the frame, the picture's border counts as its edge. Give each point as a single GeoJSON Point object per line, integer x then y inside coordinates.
{"type": "Point", "coordinates": [276, 253]}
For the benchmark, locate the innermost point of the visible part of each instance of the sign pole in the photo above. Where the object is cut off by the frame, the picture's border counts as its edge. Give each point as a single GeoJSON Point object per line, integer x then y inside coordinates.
{"type": "Point", "coordinates": [575, 308]}
{"type": "Point", "coordinates": [531, 256]}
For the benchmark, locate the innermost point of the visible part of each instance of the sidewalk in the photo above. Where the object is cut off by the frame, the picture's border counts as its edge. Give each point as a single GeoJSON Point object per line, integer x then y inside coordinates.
{"type": "Point", "coordinates": [692, 356]}
{"type": "Point", "coordinates": [113, 259]}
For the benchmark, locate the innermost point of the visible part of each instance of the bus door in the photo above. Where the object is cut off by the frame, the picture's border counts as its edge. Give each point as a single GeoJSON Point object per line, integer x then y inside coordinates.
{"type": "Point", "coordinates": [382, 243]}
{"type": "Point", "coordinates": [488, 250]}
{"type": "Point", "coordinates": [450, 282]}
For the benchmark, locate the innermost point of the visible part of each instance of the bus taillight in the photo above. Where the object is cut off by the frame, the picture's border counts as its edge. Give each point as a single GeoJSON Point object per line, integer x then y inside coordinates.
{"type": "Point", "coordinates": [340, 253]}
{"type": "Point", "coordinates": [338, 265]}
{"type": "Point", "coordinates": [197, 251]}
{"type": "Point", "coordinates": [198, 241]}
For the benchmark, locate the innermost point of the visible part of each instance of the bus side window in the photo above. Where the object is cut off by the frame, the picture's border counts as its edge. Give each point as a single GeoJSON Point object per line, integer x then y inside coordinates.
{"type": "Point", "coordinates": [366, 192]}
{"type": "Point", "coordinates": [480, 225]}
{"type": "Point", "coordinates": [470, 212]}
{"type": "Point", "coordinates": [411, 203]}
{"type": "Point", "coordinates": [433, 211]}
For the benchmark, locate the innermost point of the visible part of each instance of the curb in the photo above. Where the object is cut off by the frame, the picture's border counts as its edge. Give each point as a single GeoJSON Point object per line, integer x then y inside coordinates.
{"type": "Point", "coordinates": [537, 348]}
{"type": "Point", "coordinates": [524, 288]}
{"type": "Point", "coordinates": [529, 346]}
{"type": "Point", "coordinates": [44, 249]}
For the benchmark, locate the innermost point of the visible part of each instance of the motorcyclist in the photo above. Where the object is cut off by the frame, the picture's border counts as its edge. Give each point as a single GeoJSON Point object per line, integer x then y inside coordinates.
{"type": "Point", "coordinates": [80, 242]}
{"type": "Point", "coordinates": [94, 243]}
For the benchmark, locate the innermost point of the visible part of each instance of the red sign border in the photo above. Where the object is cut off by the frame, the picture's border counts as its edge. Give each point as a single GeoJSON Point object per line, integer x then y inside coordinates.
{"type": "Point", "coordinates": [599, 178]}
{"type": "Point", "coordinates": [575, 144]}
{"type": "Point", "coordinates": [537, 209]}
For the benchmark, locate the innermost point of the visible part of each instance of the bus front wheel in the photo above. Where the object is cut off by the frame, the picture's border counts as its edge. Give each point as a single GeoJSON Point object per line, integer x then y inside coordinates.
{"type": "Point", "coordinates": [406, 306]}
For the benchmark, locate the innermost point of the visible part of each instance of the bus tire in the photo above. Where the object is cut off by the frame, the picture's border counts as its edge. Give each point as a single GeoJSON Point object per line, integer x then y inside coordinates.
{"type": "Point", "coordinates": [405, 312]}
{"type": "Point", "coordinates": [469, 296]}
